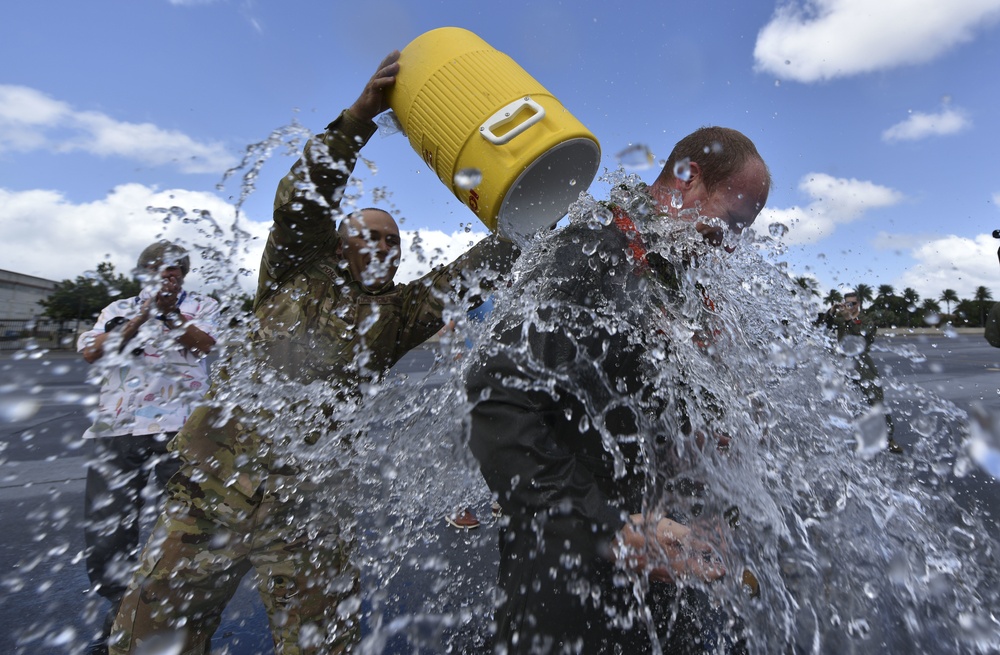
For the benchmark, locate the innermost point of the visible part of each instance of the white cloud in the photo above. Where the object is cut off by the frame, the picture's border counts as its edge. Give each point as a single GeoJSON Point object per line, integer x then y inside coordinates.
{"type": "Point", "coordinates": [996, 200]}
{"type": "Point", "coordinates": [824, 39]}
{"type": "Point", "coordinates": [425, 249]}
{"type": "Point", "coordinates": [835, 201]}
{"type": "Point", "coordinates": [954, 262]}
{"type": "Point", "coordinates": [31, 120]}
{"type": "Point", "coordinates": [919, 125]}
{"type": "Point", "coordinates": [47, 236]}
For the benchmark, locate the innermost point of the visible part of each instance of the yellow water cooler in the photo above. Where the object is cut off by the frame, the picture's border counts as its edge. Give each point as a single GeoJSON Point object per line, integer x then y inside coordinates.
{"type": "Point", "coordinates": [502, 143]}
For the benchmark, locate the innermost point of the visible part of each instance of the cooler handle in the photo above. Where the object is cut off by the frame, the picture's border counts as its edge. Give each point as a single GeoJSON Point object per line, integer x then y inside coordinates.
{"type": "Point", "coordinates": [506, 115]}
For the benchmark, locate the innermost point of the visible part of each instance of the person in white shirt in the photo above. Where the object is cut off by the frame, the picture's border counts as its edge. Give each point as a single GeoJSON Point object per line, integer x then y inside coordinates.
{"type": "Point", "coordinates": [149, 352]}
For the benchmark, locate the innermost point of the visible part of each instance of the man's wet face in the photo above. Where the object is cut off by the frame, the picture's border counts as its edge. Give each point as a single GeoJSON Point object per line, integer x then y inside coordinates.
{"type": "Point", "coordinates": [736, 201]}
{"type": "Point", "coordinates": [371, 247]}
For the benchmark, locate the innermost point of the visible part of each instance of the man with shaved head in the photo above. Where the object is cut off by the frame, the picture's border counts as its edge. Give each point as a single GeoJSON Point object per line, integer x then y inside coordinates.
{"type": "Point", "coordinates": [329, 318]}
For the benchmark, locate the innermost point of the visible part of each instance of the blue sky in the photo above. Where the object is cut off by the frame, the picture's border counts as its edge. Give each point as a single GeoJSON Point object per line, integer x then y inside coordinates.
{"type": "Point", "coordinates": [878, 120]}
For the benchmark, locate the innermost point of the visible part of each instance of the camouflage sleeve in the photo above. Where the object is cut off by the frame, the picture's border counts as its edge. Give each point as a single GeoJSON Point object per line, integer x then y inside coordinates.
{"type": "Point", "coordinates": [469, 278]}
{"type": "Point", "coordinates": [307, 202]}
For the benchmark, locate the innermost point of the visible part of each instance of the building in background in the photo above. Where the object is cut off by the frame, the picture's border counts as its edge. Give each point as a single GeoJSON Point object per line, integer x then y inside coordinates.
{"type": "Point", "coordinates": [20, 314]}
{"type": "Point", "coordinates": [19, 295]}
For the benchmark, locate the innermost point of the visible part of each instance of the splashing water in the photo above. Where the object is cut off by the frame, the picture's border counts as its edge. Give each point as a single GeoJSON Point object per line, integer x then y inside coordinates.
{"type": "Point", "coordinates": [468, 178]}
{"type": "Point", "coordinates": [854, 550]}
{"type": "Point", "coordinates": [636, 157]}
{"type": "Point", "coordinates": [851, 546]}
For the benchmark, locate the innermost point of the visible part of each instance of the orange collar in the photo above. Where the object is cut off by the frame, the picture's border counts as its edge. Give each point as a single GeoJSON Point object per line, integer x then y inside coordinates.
{"type": "Point", "coordinates": [635, 243]}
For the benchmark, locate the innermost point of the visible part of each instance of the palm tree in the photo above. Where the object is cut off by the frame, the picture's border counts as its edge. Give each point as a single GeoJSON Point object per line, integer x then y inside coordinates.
{"type": "Point", "coordinates": [948, 296]}
{"type": "Point", "coordinates": [885, 290]}
{"type": "Point", "coordinates": [981, 297]}
{"type": "Point", "coordinates": [930, 312]}
{"type": "Point", "coordinates": [833, 297]}
{"type": "Point", "coordinates": [865, 293]}
{"type": "Point", "coordinates": [807, 284]}
{"type": "Point", "coordinates": [910, 300]}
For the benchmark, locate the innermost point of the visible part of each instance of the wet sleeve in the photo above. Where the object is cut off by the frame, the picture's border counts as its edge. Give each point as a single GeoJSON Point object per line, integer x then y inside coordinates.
{"type": "Point", "coordinates": [114, 310]}
{"type": "Point", "coordinates": [524, 417]}
{"type": "Point", "coordinates": [470, 279]}
{"type": "Point", "coordinates": [307, 202]}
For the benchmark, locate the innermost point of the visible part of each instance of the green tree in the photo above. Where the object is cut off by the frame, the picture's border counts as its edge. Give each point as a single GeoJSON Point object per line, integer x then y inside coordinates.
{"type": "Point", "coordinates": [929, 313]}
{"type": "Point", "coordinates": [833, 297]}
{"type": "Point", "coordinates": [982, 298]}
{"type": "Point", "coordinates": [865, 293]}
{"type": "Point", "coordinates": [910, 298]}
{"type": "Point", "coordinates": [86, 296]}
{"type": "Point", "coordinates": [886, 291]}
{"type": "Point", "coordinates": [948, 296]}
{"type": "Point", "coordinates": [807, 284]}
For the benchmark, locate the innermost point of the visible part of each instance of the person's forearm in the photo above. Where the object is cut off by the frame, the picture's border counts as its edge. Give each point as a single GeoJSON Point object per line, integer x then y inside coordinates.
{"type": "Point", "coordinates": [95, 349]}
{"type": "Point", "coordinates": [196, 340]}
{"type": "Point", "coordinates": [192, 338]}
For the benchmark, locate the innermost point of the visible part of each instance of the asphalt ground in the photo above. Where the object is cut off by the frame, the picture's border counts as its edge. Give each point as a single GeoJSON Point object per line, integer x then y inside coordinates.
{"type": "Point", "coordinates": [443, 592]}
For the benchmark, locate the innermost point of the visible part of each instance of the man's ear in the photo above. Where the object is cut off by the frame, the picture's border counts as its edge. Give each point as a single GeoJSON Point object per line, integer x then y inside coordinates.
{"type": "Point", "coordinates": [693, 177]}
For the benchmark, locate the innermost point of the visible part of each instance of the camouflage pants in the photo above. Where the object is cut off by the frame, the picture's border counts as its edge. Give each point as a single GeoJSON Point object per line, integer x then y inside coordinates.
{"type": "Point", "coordinates": [209, 536]}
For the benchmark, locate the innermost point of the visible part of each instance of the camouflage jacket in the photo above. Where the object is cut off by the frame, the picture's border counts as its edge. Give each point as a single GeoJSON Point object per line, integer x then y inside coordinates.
{"type": "Point", "coordinates": [315, 322]}
{"type": "Point", "coordinates": [862, 330]}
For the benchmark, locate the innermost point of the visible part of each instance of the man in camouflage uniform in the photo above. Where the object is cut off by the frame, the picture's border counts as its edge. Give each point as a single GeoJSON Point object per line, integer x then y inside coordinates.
{"type": "Point", "coordinates": [330, 319]}
{"type": "Point", "coordinates": [852, 324]}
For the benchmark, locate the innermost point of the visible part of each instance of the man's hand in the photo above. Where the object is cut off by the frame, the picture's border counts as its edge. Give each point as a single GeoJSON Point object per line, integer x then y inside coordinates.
{"type": "Point", "coordinates": [667, 552]}
{"type": "Point", "coordinates": [372, 102]}
{"type": "Point", "coordinates": [166, 297]}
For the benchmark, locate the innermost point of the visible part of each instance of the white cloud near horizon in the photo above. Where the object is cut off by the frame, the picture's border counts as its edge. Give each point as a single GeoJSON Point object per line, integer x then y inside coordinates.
{"type": "Point", "coordinates": [48, 236]}
{"type": "Point", "coordinates": [919, 125]}
{"type": "Point", "coordinates": [31, 120]}
{"type": "Point", "coordinates": [834, 201]}
{"type": "Point", "coordinates": [954, 262]}
{"type": "Point", "coordinates": [814, 40]}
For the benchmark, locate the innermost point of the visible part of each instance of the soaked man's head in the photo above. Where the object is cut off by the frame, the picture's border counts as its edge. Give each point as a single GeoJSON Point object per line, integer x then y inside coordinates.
{"type": "Point", "coordinates": [717, 173]}
{"type": "Point", "coordinates": [370, 245]}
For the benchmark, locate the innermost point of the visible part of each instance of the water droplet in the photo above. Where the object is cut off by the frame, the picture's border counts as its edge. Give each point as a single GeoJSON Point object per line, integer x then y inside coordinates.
{"type": "Point", "coordinates": [468, 178]}
{"type": "Point", "coordinates": [636, 157]}
{"type": "Point", "coordinates": [602, 215]}
{"type": "Point", "coordinates": [13, 410]}
{"type": "Point", "coordinates": [682, 169]}
{"type": "Point", "coordinates": [925, 424]}
{"type": "Point", "coordinates": [572, 182]}
{"type": "Point", "coordinates": [932, 318]}
{"type": "Point", "coordinates": [872, 433]}
{"type": "Point", "coordinates": [984, 440]}
{"type": "Point", "coordinates": [62, 638]}
{"type": "Point", "coordinates": [777, 230]}
{"type": "Point", "coordinates": [676, 199]}
{"type": "Point", "coordinates": [852, 345]}
{"type": "Point", "coordinates": [171, 643]}
{"type": "Point", "coordinates": [777, 83]}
